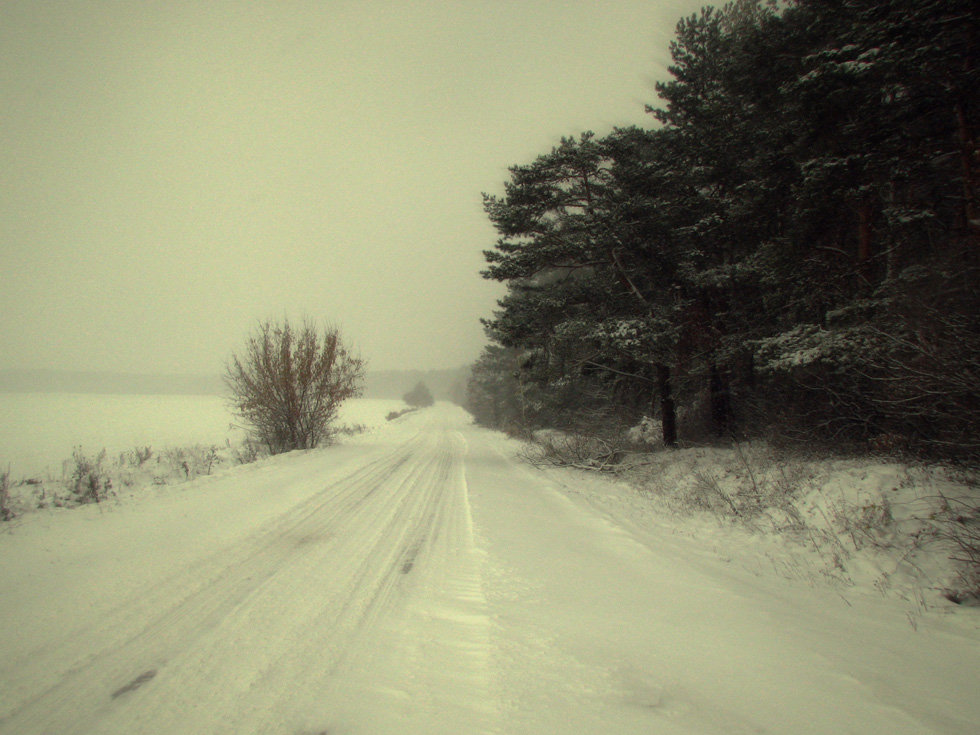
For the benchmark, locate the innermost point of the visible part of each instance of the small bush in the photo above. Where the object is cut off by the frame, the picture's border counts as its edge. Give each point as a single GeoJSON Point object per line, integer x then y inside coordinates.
{"type": "Point", "coordinates": [288, 384]}
{"type": "Point", "coordinates": [142, 455]}
{"type": "Point", "coordinates": [248, 452]}
{"type": "Point", "coordinates": [419, 396]}
{"type": "Point", "coordinates": [392, 415]}
{"type": "Point", "coordinates": [87, 479]}
{"type": "Point", "coordinates": [960, 528]}
{"type": "Point", "coordinates": [192, 461]}
{"type": "Point", "coordinates": [6, 513]}
{"type": "Point", "coordinates": [579, 451]}
{"type": "Point", "coordinates": [351, 429]}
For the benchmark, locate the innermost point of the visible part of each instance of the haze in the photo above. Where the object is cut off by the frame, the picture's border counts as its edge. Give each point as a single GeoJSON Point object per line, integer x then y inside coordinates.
{"type": "Point", "coordinates": [172, 172]}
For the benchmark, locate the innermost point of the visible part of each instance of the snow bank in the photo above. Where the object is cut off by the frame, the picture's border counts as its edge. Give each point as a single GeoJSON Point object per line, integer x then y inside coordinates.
{"type": "Point", "coordinates": [860, 524]}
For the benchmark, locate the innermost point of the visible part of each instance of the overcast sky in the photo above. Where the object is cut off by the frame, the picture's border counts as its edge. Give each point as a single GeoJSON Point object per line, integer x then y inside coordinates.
{"type": "Point", "coordinates": [172, 172]}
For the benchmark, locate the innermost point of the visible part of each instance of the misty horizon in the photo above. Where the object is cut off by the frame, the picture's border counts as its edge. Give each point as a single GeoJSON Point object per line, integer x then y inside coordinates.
{"type": "Point", "coordinates": [377, 383]}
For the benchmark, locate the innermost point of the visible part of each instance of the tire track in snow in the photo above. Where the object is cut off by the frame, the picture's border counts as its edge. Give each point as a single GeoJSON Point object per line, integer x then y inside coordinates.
{"type": "Point", "coordinates": [205, 595]}
{"type": "Point", "coordinates": [432, 669]}
{"type": "Point", "coordinates": [339, 560]}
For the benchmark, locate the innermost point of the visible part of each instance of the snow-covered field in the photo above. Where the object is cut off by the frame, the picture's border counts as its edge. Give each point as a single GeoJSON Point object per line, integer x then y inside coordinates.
{"type": "Point", "coordinates": [39, 431]}
{"type": "Point", "coordinates": [421, 578]}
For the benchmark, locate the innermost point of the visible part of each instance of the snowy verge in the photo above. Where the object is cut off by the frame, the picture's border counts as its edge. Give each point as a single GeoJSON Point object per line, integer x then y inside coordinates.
{"type": "Point", "coordinates": [864, 524]}
{"type": "Point", "coordinates": [95, 476]}
{"type": "Point", "coordinates": [630, 613]}
{"type": "Point", "coordinates": [142, 536]}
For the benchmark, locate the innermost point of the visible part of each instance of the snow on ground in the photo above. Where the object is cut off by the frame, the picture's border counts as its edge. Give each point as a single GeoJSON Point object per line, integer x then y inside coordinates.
{"type": "Point", "coordinates": [134, 452]}
{"type": "Point", "coordinates": [863, 523]}
{"type": "Point", "coordinates": [40, 430]}
{"type": "Point", "coordinates": [421, 578]}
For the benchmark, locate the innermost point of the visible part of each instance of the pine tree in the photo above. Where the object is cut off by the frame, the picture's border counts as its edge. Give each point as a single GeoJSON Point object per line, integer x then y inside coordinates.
{"type": "Point", "coordinates": [419, 396]}
{"type": "Point", "coordinates": [578, 284]}
{"type": "Point", "coordinates": [800, 236]}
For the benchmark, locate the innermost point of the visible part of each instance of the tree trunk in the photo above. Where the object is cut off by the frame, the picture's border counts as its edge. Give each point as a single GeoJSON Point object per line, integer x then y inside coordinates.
{"type": "Point", "coordinates": [719, 400]}
{"type": "Point", "coordinates": [968, 159]}
{"type": "Point", "coordinates": [865, 239]}
{"type": "Point", "coordinates": [668, 413]}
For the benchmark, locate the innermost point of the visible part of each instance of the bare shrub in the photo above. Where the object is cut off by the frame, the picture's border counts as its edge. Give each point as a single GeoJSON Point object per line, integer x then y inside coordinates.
{"type": "Point", "coordinates": [288, 384]}
{"type": "Point", "coordinates": [86, 478]}
{"type": "Point", "coordinates": [193, 461]}
{"type": "Point", "coordinates": [960, 528]}
{"type": "Point", "coordinates": [708, 489]}
{"type": "Point", "coordinates": [579, 451]}
{"type": "Point", "coordinates": [392, 415]}
{"type": "Point", "coordinates": [6, 513]}
{"type": "Point", "coordinates": [210, 456]}
{"type": "Point", "coordinates": [141, 455]}
{"type": "Point", "coordinates": [248, 452]}
{"type": "Point", "coordinates": [599, 439]}
{"type": "Point", "coordinates": [866, 523]}
{"type": "Point", "coordinates": [352, 429]}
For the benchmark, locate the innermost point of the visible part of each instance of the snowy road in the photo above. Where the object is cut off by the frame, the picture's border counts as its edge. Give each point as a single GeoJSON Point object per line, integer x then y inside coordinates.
{"type": "Point", "coordinates": [425, 581]}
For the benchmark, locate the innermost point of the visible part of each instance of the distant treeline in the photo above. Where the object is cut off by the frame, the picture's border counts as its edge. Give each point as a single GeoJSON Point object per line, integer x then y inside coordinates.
{"type": "Point", "coordinates": [445, 385]}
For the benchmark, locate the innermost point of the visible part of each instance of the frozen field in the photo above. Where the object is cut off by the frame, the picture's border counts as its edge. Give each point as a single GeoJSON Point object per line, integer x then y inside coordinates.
{"type": "Point", "coordinates": [38, 431]}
